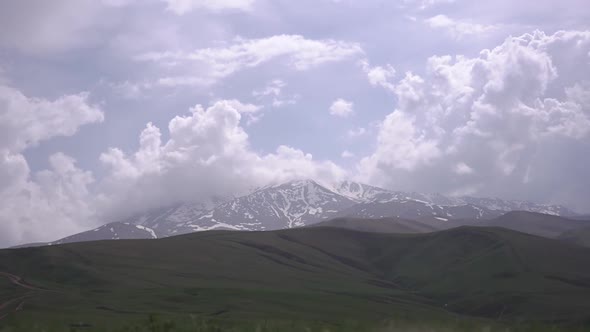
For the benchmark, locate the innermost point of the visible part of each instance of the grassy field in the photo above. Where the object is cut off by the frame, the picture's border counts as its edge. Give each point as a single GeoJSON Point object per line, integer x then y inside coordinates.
{"type": "Point", "coordinates": [315, 279]}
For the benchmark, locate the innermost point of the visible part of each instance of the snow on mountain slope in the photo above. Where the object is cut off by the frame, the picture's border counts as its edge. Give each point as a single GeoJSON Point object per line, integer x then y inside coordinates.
{"type": "Point", "coordinates": [413, 209]}
{"type": "Point", "coordinates": [288, 205]}
{"type": "Point", "coordinates": [305, 202]}
{"type": "Point", "coordinates": [360, 192]}
{"type": "Point", "coordinates": [170, 220]}
{"type": "Point", "coordinates": [366, 193]}
{"type": "Point", "coordinates": [112, 231]}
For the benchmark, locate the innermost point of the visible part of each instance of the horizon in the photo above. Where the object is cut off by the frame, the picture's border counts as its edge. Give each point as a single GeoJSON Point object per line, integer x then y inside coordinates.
{"type": "Point", "coordinates": [213, 203]}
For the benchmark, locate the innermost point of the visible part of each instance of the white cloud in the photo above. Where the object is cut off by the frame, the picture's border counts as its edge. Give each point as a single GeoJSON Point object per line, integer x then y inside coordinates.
{"type": "Point", "coordinates": [457, 28]}
{"type": "Point", "coordinates": [53, 202]}
{"type": "Point", "coordinates": [379, 76]}
{"type": "Point", "coordinates": [24, 121]}
{"type": "Point", "coordinates": [342, 108]}
{"type": "Point", "coordinates": [353, 133]}
{"type": "Point", "coordinates": [401, 145]}
{"type": "Point", "coordinates": [207, 154]}
{"type": "Point", "coordinates": [181, 7]}
{"type": "Point", "coordinates": [347, 154]}
{"type": "Point", "coordinates": [208, 65]}
{"type": "Point", "coordinates": [463, 169]}
{"type": "Point", "coordinates": [274, 91]}
{"type": "Point", "coordinates": [425, 4]}
{"type": "Point", "coordinates": [501, 118]}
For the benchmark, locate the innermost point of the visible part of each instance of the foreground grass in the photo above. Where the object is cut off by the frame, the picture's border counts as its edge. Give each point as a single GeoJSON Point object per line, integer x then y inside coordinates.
{"type": "Point", "coordinates": [323, 279]}
{"type": "Point", "coordinates": [155, 323]}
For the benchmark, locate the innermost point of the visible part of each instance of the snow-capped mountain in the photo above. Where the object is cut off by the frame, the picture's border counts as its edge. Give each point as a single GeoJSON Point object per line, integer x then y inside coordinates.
{"type": "Point", "coordinates": [366, 193]}
{"type": "Point", "coordinates": [112, 231]}
{"type": "Point", "coordinates": [413, 209]}
{"type": "Point", "coordinates": [170, 220]}
{"type": "Point", "coordinates": [287, 205]}
{"type": "Point", "coordinates": [360, 192]}
{"type": "Point", "coordinates": [306, 202]}
{"type": "Point", "coordinates": [506, 206]}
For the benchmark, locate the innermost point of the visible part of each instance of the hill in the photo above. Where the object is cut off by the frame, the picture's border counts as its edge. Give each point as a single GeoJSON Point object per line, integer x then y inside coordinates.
{"type": "Point", "coordinates": [536, 223]}
{"type": "Point", "coordinates": [577, 236]}
{"type": "Point", "coordinates": [384, 225]}
{"type": "Point", "coordinates": [320, 273]}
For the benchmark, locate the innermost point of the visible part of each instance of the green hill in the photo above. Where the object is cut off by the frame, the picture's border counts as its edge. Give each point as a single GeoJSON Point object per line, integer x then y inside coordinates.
{"type": "Point", "coordinates": [383, 225]}
{"type": "Point", "coordinates": [536, 223]}
{"type": "Point", "coordinates": [577, 236]}
{"type": "Point", "coordinates": [312, 274]}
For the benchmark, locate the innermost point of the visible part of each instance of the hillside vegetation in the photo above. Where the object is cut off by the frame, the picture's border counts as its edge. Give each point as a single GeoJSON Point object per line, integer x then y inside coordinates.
{"type": "Point", "coordinates": [320, 274]}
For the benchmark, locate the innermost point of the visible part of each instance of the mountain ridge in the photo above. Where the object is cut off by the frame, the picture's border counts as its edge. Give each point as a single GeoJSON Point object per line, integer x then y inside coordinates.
{"type": "Point", "coordinates": [304, 202]}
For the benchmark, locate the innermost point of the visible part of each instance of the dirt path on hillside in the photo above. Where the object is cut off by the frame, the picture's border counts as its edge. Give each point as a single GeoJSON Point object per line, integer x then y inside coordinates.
{"type": "Point", "coordinates": [7, 307]}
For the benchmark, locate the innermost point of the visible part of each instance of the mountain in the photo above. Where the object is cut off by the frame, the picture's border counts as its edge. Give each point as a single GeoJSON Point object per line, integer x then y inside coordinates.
{"type": "Point", "coordinates": [506, 206]}
{"type": "Point", "coordinates": [172, 220]}
{"type": "Point", "coordinates": [288, 205]}
{"type": "Point", "coordinates": [536, 223]}
{"type": "Point", "coordinates": [366, 193]}
{"type": "Point", "coordinates": [494, 204]}
{"type": "Point", "coordinates": [580, 236]}
{"type": "Point", "coordinates": [384, 225]}
{"type": "Point", "coordinates": [377, 202]}
{"type": "Point", "coordinates": [312, 273]}
{"type": "Point", "coordinates": [412, 209]}
{"type": "Point", "coordinates": [112, 231]}
{"type": "Point", "coordinates": [305, 202]}
{"type": "Point", "coordinates": [360, 192]}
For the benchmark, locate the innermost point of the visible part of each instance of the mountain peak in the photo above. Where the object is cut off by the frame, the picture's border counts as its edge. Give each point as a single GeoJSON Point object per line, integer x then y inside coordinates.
{"type": "Point", "coordinates": [358, 191]}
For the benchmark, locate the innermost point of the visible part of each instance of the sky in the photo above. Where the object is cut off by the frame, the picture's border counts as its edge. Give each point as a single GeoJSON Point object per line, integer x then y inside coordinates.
{"type": "Point", "coordinates": [112, 107]}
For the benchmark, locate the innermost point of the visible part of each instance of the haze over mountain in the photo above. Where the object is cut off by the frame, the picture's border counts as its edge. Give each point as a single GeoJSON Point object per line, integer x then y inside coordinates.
{"type": "Point", "coordinates": [306, 202]}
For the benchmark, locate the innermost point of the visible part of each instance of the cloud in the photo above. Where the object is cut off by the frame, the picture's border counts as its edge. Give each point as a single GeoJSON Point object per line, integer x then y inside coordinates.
{"type": "Point", "coordinates": [37, 26]}
{"type": "Point", "coordinates": [379, 76]}
{"type": "Point", "coordinates": [209, 65]}
{"type": "Point", "coordinates": [207, 154]}
{"type": "Point", "coordinates": [354, 133]}
{"type": "Point", "coordinates": [457, 28]}
{"type": "Point", "coordinates": [512, 122]}
{"type": "Point", "coordinates": [181, 7]}
{"type": "Point", "coordinates": [274, 91]}
{"type": "Point", "coordinates": [426, 4]}
{"type": "Point", "coordinates": [401, 145]}
{"type": "Point", "coordinates": [342, 108]}
{"type": "Point", "coordinates": [49, 203]}
{"type": "Point", "coordinates": [25, 122]}
{"type": "Point", "coordinates": [463, 169]}
{"type": "Point", "coordinates": [347, 154]}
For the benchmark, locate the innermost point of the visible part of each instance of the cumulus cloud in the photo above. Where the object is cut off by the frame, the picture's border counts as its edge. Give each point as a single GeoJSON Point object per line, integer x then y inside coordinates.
{"type": "Point", "coordinates": [25, 121]}
{"type": "Point", "coordinates": [458, 28]}
{"type": "Point", "coordinates": [207, 154]}
{"type": "Point", "coordinates": [379, 76]}
{"type": "Point", "coordinates": [58, 196]}
{"type": "Point", "coordinates": [509, 122]}
{"type": "Point", "coordinates": [342, 108]}
{"type": "Point", "coordinates": [208, 65]}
